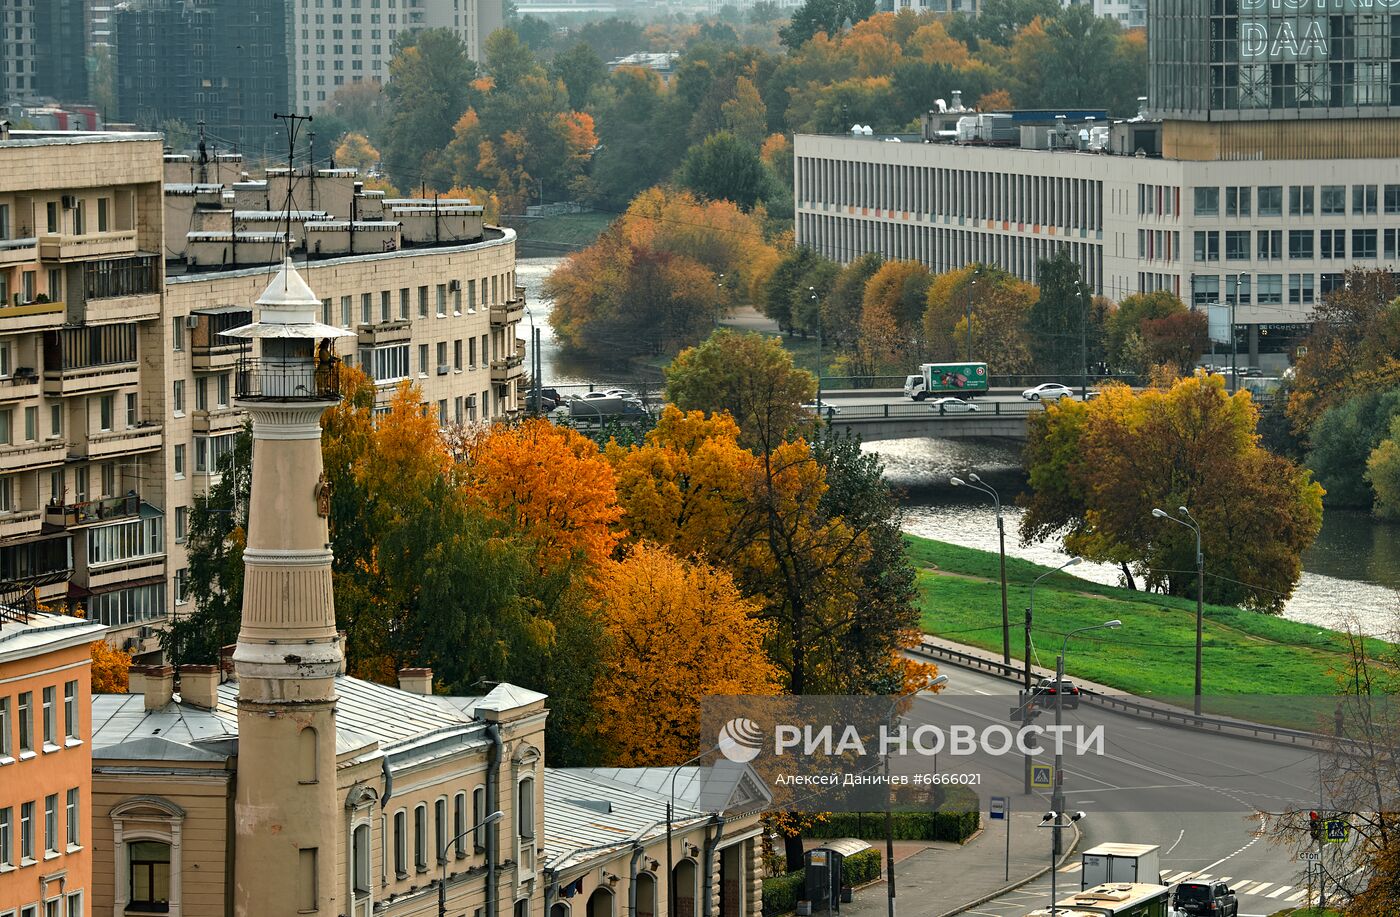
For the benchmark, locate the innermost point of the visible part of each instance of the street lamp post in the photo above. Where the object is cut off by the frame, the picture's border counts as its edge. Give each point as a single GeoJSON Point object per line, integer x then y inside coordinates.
{"type": "Point", "coordinates": [967, 308]}
{"type": "Point", "coordinates": [670, 820]}
{"type": "Point", "coordinates": [813, 298]}
{"type": "Point", "coordinates": [442, 856]}
{"type": "Point", "coordinates": [982, 486]}
{"type": "Point", "coordinates": [1194, 526]}
{"type": "Point", "coordinates": [1026, 702]}
{"type": "Point", "coordinates": [1056, 820]}
{"type": "Point", "coordinates": [1083, 344]}
{"type": "Point", "coordinates": [889, 818]}
{"type": "Point", "coordinates": [1057, 798]}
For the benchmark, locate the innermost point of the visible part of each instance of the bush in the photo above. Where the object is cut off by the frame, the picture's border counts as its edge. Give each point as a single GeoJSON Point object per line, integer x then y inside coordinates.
{"type": "Point", "coordinates": [781, 893]}
{"type": "Point", "coordinates": [907, 826]}
{"type": "Point", "coordinates": [862, 867]}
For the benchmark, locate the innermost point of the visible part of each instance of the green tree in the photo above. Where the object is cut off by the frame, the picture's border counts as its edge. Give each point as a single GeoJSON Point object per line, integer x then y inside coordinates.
{"type": "Point", "coordinates": [429, 79]}
{"type": "Point", "coordinates": [782, 293]}
{"type": "Point", "coordinates": [998, 21]}
{"type": "Point", "coordinates": [1383, 474]}
{"type": "Point", "coordinates": [1128, 318]}
{"type": "Point", "coordinates": [102, 82]}
{"type": "Point", "coordinates": [765, 11]}
{"type": "Point", "coordinates": [725, 168]}
{"type": "Point", "coordinates": [827, 16]}
{"type": "Point", "coordinates": [217, 534]}
{"type": "Point", "coordinates": [612, 37]}
{"type": "Point", "coordinates": [749, 376]}
{"type": "Point", "coordinates": [1343, 438]}
{"type": "Point", "coordinates": [640, 147]}
{"type": "Point", "coordinates": [841, 309]}
{"type": "Point", "coordinates": [1060, 316]}
{"type": "Point", "coordinates": [508, 60]}
{"type": "Point", "coordinates": [534, 32]}
{"type": "Point", "coordinates": [581, 69]}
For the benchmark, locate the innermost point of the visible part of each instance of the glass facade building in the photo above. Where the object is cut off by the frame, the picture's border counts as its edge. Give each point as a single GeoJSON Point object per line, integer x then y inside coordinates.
{"type": "Point", "coordinates": [1255, 60]}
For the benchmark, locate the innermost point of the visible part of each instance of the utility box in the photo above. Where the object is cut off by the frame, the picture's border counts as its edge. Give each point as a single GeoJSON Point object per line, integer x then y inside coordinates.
{"type": "Point", "coordinates": [826, 872]}
{"type": "Point", "coordinates": [1119, 863]}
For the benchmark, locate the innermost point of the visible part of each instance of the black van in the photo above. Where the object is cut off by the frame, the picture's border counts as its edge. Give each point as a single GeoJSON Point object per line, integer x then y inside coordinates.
{"type": "Point", "coordinates": [1206, 898]}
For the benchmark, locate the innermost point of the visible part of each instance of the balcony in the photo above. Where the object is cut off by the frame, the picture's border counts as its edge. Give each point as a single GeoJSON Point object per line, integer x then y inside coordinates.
{"type": "Point", "coordinates": [91, 512]}
{"type": "Point", "coordinates": [286, 380]}
{"type": "Point", "coordinates": [508, 313]}
{"type": "Point", "coordinates": [33, 455]}
{"type": "Point", "coordinates": [20, 386]}
{"type": "Point", "coordinates": [399, 331]}
{"type": "Point", "coordinates": [32, 316]}
{"type": "Point", "coordinates": [56, 247]}
{"type": "Point", "coordinates": [80, 380]}
{"type": "Point", "coordinates": [19, 524]}
{"type": "Point", "coordinates": [505, 369]}
{"type": "Point", "coordinates": [209, 349]}
{"type": "Point", "coordinates": [109, 443]}
{"type": "Point", "coordinates": [223, 420]}
{"type": "Point", "coordinates": [18, 251]}
{"type": "Point", "coordinates": [90, 358]}
{"type": "Point", "coordinates": [119, 290]}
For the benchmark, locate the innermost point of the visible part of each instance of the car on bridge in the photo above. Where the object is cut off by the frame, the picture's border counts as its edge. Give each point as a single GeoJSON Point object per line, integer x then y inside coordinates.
{"type": "Point", "coordinates": [1048, 391]}
{"type": "Point", "coordinates": [821, 408]}
{"type": "Point", "coordinates": [951, 406]}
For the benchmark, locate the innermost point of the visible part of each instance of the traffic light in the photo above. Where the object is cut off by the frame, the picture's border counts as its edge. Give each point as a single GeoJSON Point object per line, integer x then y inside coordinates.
{"type": "Point", "coordinates": [1314, 825]}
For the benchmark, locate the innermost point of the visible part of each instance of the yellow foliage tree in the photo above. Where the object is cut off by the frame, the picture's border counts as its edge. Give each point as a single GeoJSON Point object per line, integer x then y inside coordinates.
{"type": "Point", "coordinates": [677, 631]}
{"type": "Point", "coordinates": [356, 152]}
{"type": "Point", "coordinates": [110, 668]}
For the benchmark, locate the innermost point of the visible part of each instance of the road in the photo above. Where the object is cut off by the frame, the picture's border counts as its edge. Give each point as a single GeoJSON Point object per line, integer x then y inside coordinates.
{"type": "Point", "coordinates": [1215, 839]}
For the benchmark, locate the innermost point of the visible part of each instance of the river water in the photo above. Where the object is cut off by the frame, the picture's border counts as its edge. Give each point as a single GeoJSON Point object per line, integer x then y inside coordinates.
{"type": "Point", "coordinates": [1352, 572]}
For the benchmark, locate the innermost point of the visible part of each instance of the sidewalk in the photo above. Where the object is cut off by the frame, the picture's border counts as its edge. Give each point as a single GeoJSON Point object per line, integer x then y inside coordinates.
{"type": "Point", "coordinates": [935, 879]}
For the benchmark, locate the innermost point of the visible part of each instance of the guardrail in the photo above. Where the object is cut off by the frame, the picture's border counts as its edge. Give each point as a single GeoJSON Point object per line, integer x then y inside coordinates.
{"type": "Point", "coordinates": [1170, 716]}
{"type": "Point", "coordinates": [933, 412]}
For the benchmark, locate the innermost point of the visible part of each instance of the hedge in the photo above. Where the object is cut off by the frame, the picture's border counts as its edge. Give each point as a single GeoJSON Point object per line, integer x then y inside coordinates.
{"type": "Point", "coordinates": [781, 893]}
{"type": "Point", "coordinates": [907, 826]}
{"type": "Point", "coordinates": [862, 867]}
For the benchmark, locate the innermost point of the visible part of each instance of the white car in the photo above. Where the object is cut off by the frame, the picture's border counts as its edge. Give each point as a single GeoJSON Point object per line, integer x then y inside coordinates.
{"type": "Point", "coordinates": [821, 408]}
{"type": "Point", "coordinates": [620, 393]}
{"type": "Point", "coordinates": [951, 406]}
{"type": "Point", "coordinates": [1047, 391]}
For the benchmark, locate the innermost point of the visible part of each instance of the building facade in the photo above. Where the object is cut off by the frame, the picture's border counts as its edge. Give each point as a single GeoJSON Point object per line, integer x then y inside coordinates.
{"type": "Point", "coordinates": [43, 50]}
{"type": "Point", "coordinates": [46, 842]}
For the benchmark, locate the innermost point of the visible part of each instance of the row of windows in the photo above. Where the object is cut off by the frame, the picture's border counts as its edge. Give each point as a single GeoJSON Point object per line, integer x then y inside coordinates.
{"type": "Point", "coordinates": [1303, 244]}
{"type": "Point", "coordinates": [17, 722]}
{"type": "Point", "coordinates": [386, 307]}
{"type": "Point", "coordinates": [1268, 200]}
{"type": "Point", "coordinates": [453, 834]}
{"type": "Point", "coordinates": [66, 905]}
{"type": "Point", "coordinates": [1264, 289]}
{"type": "Point", "coordinates": [110, 544]}
{"type": "Point", "coordinates": [128, 606]}
{"type": "Point", "coordinates": [17, 837]}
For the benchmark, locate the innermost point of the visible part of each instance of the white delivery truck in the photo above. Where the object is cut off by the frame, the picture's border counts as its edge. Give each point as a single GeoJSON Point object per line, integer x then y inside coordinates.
{"type": "Point", "coordinates": [1119, 863]}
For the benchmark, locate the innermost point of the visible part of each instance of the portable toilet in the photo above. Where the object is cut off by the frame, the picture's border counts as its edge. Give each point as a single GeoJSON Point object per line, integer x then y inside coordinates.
{"type": "Point", "coordinates": [826, 866]}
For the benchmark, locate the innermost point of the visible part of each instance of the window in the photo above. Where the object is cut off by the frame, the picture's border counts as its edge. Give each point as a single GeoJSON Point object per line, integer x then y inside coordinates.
{"type": "Point", "coordinates": [420, 838]}
{"type": "Point", "coordinates": [1300, 289]}
{"type": "Point", "coordinates": [56, 420]}
{"type": "Point", "coordinates": [457, 355]}
{"type": "Point", "coordinates": [7, 495]}
{"type": "Point", "coordinates": [1237, 245]}
{"type": "Point", "coordinates": [7, 433]}
{"type": "Point", "coordinates": [125, 541]}
{"type": "Point", "coordinates": [149, 876]}
{"type": "Point", "coordinates": [1237, 201]}
{"type": "Point", "coordinates": [423, 302]}
{"type": "Point", "coordinates": [1363, 244]}
{"type": "Point", "coordinates": [51, 824]}
{"type": "Point", "coordinates": [50, 709]}
{"type": "Point", "coordinates": [1392, 199]}
{"type": "Point", "coordinates": [70, 816]}
{"type": "Point", "coordinates": [1334, 200]}
{"type": "Point", "coordinates": [385, 364]}
{"type": "Point", "coordinates": [221, 390]}
{"type": "Point", "coordinates": [1270, 244]}
{"type": "Point", "coordinates": [182, 585]}
{"type": "Point", "coordinates": [385, 306]}
{"type": "Point", "coordinates": [182, 523]}
{"type": "Point", "coordinates": [306, 886]}
{"type": "Point", "coordinates": [75, 904]}
{"type": "Point", "coordinates": [403, 303]}
{"type": "Point", "coordinates": [210, 450]}
{"type": "Point", "coordinates": [326, 311]}
{"type": "Point", "coordinates": [7, 851]}
{"type": "Point", "coordinates": [1300, 200]}
{"type": "Point", "coordinates": [422, 359]}
{"type": "Point", "coordinates": [442, 358]}
{"type": "Point", "coordinates": [177, 397]}
{"type": "Point", "coordinates": [1363, 200]}
{"type": "Point", "coordinates": [1207, 248]}
{"type": "Point", "coordinates": [459, 823]}
{"type": "Point", "coordinates": [131, 413]}
{"type": "Point", "coordinates": [177, 333]}
{"type": "Point", "coordinates": [1333, 243]}
{"type": "Point", "coordinates": [359, 874]}
{"type": "Point", "coordinates": [471, 352]}
{"type": "Point", "coordinates": [179, 461]}
{"type": "Point", "coordinates": [401, 844]}
{"type": "Point", "coordinates": [442, 300]}
{"type": "Point", "coordinates": [26, 722]}
{"type": "Point", "coordinates": [1270, 289]}
{"type": "Point", "coordinates": [478, 816]}
{"type": "Point", "coordinates": [366, 308]}
{"type": "Point", "coordinates": [345, 311]}
{"type": "Point", "coordinates": [4, 733]}
{"type": "Point", "coordinates": [440, 830]}
{"type": "Point", "coordinates": [31, 424]}
{"type": "Point", "coordinates": [525, 808]}
{"type": "Point", "coordinates": [1300, 244]}
{"type": "Point", "coordinates": [1237, 289]}
{"type": "Point", "coordinates": [70, 709]}
{"type": "Point", "coordinates": [1327, 283]}
{"type": "Point", "coordinates": [1271, 201]}
{"type": "Point", "coordinates": [26, 832]}
{"type": "Point", "coordinates": [1207, 202]}
{"type": "Point", "coordinates": [128, 606]}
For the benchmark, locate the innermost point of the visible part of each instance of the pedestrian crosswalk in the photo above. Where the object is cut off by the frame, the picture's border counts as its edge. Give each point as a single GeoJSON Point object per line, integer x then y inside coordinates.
{"type": "Point", "coordinates": [1243, 887]}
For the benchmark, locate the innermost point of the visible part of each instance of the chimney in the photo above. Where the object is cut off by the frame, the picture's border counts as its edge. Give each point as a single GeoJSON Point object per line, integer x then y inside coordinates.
{"type": "Point", "coordinates": [957, 101]}
{"type": "Point", "coordinates": [4, 131]}
{"type": "Point", "coordinates": [226, 659]}
{"type": "Point", "coordinates": [199, 685]}
{"type": "Point", "coordinates": [416, 681]}
{"type": "Point", "coordinates": [136, 680]}
{"type": "Point", "coordinates": [160, 686]}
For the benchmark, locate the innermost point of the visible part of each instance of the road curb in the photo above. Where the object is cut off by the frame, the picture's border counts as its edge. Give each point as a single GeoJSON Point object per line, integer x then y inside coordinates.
{"type": "Point", "coordinates": [963, 908]}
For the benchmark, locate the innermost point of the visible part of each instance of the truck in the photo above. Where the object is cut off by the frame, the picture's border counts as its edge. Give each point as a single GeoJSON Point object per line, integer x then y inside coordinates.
{"type": "Point", "coordinates": [962, 380]}
{"type": "Point", "coordinates": [1113, 899]}
{"type": "Point", "coordinates": [1119, 863]}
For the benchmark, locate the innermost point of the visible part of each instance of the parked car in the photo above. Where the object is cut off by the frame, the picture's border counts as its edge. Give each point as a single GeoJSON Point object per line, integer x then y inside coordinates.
{"type": "Point", "coordinates": [951, 406]}
{"type": "Point", "coordinates": [1045, 692]}
{"type": "Point", "coordinates": [620, 393]}
{"type": "Point", "coordinates": [1215, 899]}
{"type": "Point", "coordinates": [1048, 391]}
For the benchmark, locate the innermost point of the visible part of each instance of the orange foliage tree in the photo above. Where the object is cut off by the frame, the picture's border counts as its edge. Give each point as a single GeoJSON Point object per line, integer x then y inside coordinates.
{"type": "Point", "coordinates": [677, 630]}
{"type": "Point", "coordinates": [110, 668]}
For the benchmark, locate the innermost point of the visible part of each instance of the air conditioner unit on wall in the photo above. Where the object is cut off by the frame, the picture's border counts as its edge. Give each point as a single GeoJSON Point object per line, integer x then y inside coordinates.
{"type": "Point", "coordinates": [442, 369]}
{"type": "Point", "coordinates": [455, 286]}
{"type": "Point", "coordinates": [191, 321]}
{"type": "Point", "coordinates": [69, 202]}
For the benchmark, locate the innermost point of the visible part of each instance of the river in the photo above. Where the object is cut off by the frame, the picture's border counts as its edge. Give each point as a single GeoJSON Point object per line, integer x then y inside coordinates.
{"type": "Point", "coordinates": [1352, 569]}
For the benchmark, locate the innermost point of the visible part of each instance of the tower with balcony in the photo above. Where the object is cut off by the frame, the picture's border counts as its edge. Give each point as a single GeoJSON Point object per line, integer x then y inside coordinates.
{"type": "Point", "coordinates": [288, 653]}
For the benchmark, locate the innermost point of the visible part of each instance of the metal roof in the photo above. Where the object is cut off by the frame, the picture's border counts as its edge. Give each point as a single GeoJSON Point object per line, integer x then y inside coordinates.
{"type": "Point", "coordinates": [44, 633]}
{"type": "Point", "coordinates": [585, 813]}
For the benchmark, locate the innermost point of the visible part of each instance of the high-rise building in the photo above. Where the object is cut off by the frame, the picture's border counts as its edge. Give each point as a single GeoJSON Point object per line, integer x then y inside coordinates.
{"type": "Point", "coordinates": [43, 50]}
{"type": "Point", "coordinates": [222, 62]}
{"type": "Point", "coordinates": [46, 842]}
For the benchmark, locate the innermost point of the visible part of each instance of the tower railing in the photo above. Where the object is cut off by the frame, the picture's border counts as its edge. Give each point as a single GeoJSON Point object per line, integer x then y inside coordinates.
{"type": "Point", "coordinates": [294, 379]}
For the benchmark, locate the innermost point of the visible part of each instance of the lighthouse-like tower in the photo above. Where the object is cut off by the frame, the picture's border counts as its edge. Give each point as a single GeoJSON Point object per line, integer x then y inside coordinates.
{"type": "Point", "coordinates": [288, 654]}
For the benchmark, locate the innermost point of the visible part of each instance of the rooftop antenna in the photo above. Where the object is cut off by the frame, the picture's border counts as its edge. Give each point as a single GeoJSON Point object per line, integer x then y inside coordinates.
{"type": "Point", "coordinates": [293, 125]}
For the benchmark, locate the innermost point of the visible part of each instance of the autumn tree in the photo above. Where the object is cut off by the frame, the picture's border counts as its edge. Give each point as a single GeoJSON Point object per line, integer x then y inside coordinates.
{"type": "Point", "coordinates": [892, 312]}
{"type": "Point", "coordinates": [750, 377]}
{"type": "Point", "coordinates": [429, 77]}
{"type": "Point", "coordinates": [677, 631]}
{"type": "Point", "coordinates": [827, 16]}
{"type": "Point", "coordinates": [110, 668]}
{"type": "Point", "coordinates": [581, 69]}
{"type": "Point", "coordinates": [841, 309]}
{"type": "Point", "coordinates": [1383, 474]}
{"type": "Point", "coordinates": [1344, 440]}
{"type": "Point", "coordinates": [356, 152]}
{"type": "Point", "coordinates": [1177, 340]}
{"type": "Point", "coordinates": [1099, 468]}
{"type": "Point", "coordinates": [1124, 323]}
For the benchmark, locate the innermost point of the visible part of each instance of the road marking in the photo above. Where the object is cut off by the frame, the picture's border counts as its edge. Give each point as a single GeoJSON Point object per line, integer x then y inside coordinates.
{"type": "Point", "coordinates": [1278, 891]}
{"type": "Point", "coordinates": [1179, 836]}
{"type": "Point", "coordinates": [1072, 867]}
{"type": "Point", "coordinates": [1225, 879]}
{"type": "Point", "coordinates": [1296, 895]}
{"type": "Point", "coordinates": [980, 691]}
{"type": "Point", "coordinates": [1258, 889]}
{"type": "Point", "coordinates": [1178, 877]}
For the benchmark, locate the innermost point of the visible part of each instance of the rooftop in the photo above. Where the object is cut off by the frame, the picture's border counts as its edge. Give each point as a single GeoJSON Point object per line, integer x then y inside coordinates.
{"type": "Point", "coordinates": [25, 635]}
{"type": "Point", "coordinates": [70, 138]}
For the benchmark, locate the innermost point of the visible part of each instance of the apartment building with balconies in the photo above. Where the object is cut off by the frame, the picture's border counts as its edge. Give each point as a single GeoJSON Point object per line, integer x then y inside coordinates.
{"type": "Point", "coordinates": [82, 472]}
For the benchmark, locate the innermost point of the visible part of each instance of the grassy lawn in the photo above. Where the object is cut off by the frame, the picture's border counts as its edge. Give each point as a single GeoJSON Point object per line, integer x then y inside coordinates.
{"type": "Point", "coordinates": [565, 233]}
{"type": "Point", "coordinates": [1245, 653]}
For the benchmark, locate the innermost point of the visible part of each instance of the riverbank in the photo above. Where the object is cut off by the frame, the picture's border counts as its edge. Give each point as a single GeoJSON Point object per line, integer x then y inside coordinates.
{"type": "Point", "coordinates": [560, 235]}
{"type": "Point", "coordinates": [1244, 653]}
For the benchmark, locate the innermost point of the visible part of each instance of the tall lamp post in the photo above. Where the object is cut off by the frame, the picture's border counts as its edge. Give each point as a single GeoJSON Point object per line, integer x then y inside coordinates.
{"type": "Point", "coordinates": [670, 820]}
{"type": "Point", "coordinates": [1057, 798]}
{"type": "Point", "coordinates": [981, 486]}
{"type": "Point", "coordinates": [889, 818]}
{"type": "Point", "coordinates": [1083, 343]}
{"type": "Point", "coordinates": [1056, 820]}
{"type": "Point", "coordinates": [1030, 613]}
{"type": "Point", "coordinates": [812, 297]}
{"type": "Point", "coordinates": [1194, 526]}
{"type": "Point", "coordinates": [442, 856]}
{"type": "Point", "coordinates": [967, 307]}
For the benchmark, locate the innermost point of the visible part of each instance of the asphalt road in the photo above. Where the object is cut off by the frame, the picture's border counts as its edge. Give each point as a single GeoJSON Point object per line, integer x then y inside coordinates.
{"type": "Point", "coordinates": [1209, 834]}
{"type": "Point", "coordinates": [857, 398]}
